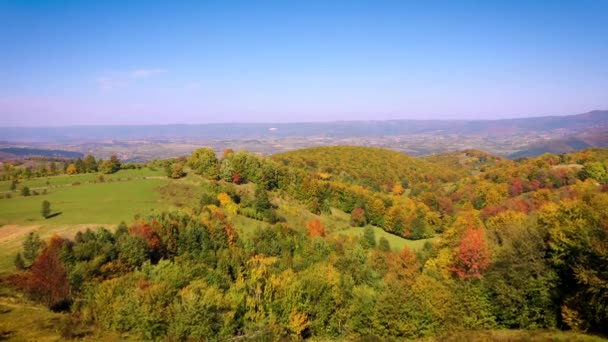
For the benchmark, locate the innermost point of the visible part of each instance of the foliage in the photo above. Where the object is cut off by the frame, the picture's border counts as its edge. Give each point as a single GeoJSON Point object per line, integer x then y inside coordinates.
{"type": "Point", "coordinates": [204, 162]}
{"type": "Point", "coordinates": [48, 281]}
{"type": "Point", "coordinates": [111, 165]}
{"type": "Point", "coordinates": [473, 256]}
{"type": "Point", "coordinates": [501, 245]}
{"type": "Point", "coordinates": [315, 228]}
{"type": "Point", "coordinates": [176, 170]}
{"type": "Point", "coordinates": [46, 209]}
{"type": "Point", "coordinates": [32, 246]}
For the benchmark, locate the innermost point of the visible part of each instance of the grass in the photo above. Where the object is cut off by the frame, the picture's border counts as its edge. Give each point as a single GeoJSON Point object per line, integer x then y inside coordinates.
{"type": "Point", "coordinates": [66, 180]}
{"type": "Point", "coordinates": [397, 243]}
{"type": "Point", "coordinates": [77, 208]}
{"type": "Point", "coordinates": [104, 203]}
{"type": "Point", "coordinates": [514, 335]}
{"type": "Point", "coordinates": [338, 222]}
{"type": "Point", "coordinates": [22, 320]}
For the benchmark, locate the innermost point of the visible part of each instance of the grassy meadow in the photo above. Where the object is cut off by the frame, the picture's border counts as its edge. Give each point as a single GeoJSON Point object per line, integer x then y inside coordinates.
{"type": "Point", "coordinates": [77, 207]}
{"type": "Point", "coordinates": [103, 203]}
{"type": "Point", "coordinates": [397, 243]}
{"type": "Point", "coordinates": [79, 202]}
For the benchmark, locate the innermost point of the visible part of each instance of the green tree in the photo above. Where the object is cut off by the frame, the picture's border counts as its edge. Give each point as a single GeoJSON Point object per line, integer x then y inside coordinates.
{"type": "Point", "coordinates": [226, 169]}
{"type": "Point", "coordinates": [368, 240]}
{"type": "Point", "coordinates": [80, 167]}
{"type": "Point", "coordinates": [111, 165]}
{"type": "Point", "coordinates": [25, 191]}
{"type": "Point", "coordinates": [90, 164]}
{"type": "Point", "coordinates": [595, 170]}
{"type": "Point", "coordinates": [46, 209]}
{"type": "Point", "coordinates": [32, 245]}
{"type": "Point", "coordinates": [261, 203]}
{"type": "Point", "coordinates": [19, 263]}
{"type": "Point", "coordinates": [204, 162]}
{"type": "Point", "coordinates": [384, 245]}
{"type": "Point", "coordinates": [133, 250]}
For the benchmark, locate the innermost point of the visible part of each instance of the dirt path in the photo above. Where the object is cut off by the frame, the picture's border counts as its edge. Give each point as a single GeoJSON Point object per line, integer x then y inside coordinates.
{"type": "Point", "coordinates": [10, 232]}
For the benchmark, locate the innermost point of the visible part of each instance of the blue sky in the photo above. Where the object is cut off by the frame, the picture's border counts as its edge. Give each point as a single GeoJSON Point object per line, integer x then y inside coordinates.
{"type": "Point", "coordinates": [148, 62]}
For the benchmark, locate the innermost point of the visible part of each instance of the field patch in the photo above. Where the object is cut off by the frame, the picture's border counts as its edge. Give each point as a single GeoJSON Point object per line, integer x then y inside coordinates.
{"type": "Point", "coordinates": [397, 243]}
{"type": "Point", "coordinates": [104, 203]}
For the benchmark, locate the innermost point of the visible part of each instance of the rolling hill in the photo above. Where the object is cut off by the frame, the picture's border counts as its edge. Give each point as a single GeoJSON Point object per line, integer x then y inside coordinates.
{"type": "Point", "coordinates": [371, 167]}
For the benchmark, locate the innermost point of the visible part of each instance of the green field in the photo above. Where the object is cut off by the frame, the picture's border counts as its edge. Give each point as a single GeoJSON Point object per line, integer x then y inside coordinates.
{"type": "Point", "coordinates": [66, 180]}
{"type": "Point", "coordinates": [397, 243]}
{"type": "Point", "coordinates": [77, 207]}
{"type": "Point", "coordinates": [103, 203]}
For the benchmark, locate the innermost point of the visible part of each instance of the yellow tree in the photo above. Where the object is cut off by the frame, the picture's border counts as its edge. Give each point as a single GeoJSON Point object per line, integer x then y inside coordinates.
{"type": "Point", "coordinates": [71, 170]}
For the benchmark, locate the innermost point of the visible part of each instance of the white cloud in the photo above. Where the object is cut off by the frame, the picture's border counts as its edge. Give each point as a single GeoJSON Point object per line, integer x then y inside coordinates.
{"type": "Point", "coordinates": [114, 80]}
{"type": "Point", "coordinates": [145, 73]}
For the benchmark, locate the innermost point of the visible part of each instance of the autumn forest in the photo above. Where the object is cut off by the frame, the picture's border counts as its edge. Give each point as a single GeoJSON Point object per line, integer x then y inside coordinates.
{"type": "Point", "coordinates": [464, 241]}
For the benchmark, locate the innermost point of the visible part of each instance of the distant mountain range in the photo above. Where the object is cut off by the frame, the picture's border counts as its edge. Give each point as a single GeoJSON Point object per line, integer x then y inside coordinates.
{"type": "Point", "coordinates": [513, 138]}
{"type": "Point", "coordinates": [339, 129]}
{"type": "Point", "coordinates": [23, 152]}
{"type": "Point", "coordinates": [593, 137]}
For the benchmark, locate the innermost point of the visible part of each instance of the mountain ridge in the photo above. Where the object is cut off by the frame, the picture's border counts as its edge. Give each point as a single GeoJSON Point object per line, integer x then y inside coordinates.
{"type": "Point", "coordinates": [593, 118]}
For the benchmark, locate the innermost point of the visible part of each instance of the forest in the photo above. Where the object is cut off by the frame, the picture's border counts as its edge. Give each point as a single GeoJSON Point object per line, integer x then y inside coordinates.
{"type": "Point", "coordinates": [505, 244]}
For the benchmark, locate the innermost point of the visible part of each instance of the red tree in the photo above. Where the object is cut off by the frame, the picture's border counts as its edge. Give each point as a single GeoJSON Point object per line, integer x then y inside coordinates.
{"type": "Point", "coordinates": [231, 234]}
{"type": "Point", "coordinates": [146, 232]}
{"type": "Point", "coordinates": [516, 187]}
{"type": "Point", "coordinates": [315, 228]}
{"type": "Point", "coordinates": [473, 256]}
{"type": "Point", "coordinates": [48, 281]}
{"type": "Point", "coordinates": [357, 218]}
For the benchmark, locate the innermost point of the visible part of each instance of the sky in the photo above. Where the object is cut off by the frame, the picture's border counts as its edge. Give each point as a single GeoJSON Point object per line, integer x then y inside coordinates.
{"type": "Point", "coordinates": [159, 62]}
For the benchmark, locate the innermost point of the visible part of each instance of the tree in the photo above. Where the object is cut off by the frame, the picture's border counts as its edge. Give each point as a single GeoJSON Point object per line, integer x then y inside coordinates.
{"type": "Point", "coordinates": [46, 209]}
{"type": "Point", "coordinates": [226, 170]}
{"type": "Point", "coordinates": [315, 228]}
{"type": "Point", "coordinates": [13, 185]}
{"type": "Point", "coordinates": [204, 162]}
{"type": "Point", "coordinates": [368, 240]}
{"type": "Point", "coordinates": [177, 170]}
{"type": "Point", "coordinates": [111, 165]}
{"type": "Point", "coordinates": [473, 256]}
{"type": "Point", "coordinates": [357, 218]}
{"type": "Point", "coordinates": [25, 191]}
{"type": "Point", "coordinates": [19, 263]}
{"type": "Point", "coordinates": [90, 164]}
{"type": "Point", "coordinates": [398, 189]}
{"type": "Point", "coordinates": [384, 244]}
{"type": "Point", "coordinates": [32, 245]}
{"type": "Point", "coordinates": [71, 170]}
{"type": "Point", "coordinates": [80, 168]}
{"type": "Point", "coordinates": [261, 203]}
{"type": "Point", "coordinates": [49, 280]}
{"type": "Point", "coordinates": [227, 153]}
{"type": "Point", "coordinates": [595, 170]}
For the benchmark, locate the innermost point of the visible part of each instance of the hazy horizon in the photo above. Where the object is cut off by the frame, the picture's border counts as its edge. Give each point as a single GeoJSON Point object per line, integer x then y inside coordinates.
{"type": "Point", "coordinates": [328, 121]}
{"type": "Point", "coordinates": [145, 63]}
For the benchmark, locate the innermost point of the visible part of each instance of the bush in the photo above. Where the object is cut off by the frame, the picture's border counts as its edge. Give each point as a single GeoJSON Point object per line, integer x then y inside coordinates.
{"type": "Point", "coordinates": [25, 191]}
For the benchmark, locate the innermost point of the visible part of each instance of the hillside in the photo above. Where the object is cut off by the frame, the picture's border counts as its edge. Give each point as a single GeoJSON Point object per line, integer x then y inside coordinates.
{"type": "Point", "coordinates": [314, 243]}
{"type": "Point", "coordinates": [593, 137]}
{"type": "Point", "coordinates": [375, 168]}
